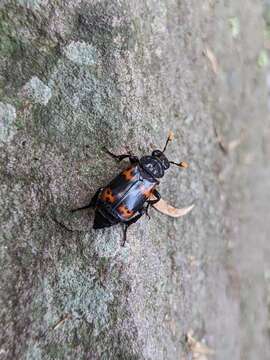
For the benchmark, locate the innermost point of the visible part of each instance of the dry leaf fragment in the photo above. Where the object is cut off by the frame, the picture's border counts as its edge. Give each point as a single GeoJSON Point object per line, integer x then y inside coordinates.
{"type": "Point", "coordinates": [235, 143]}
{"type": "Point", "coordinates": [167, 209]}
{"type": "Point", "coordinates": [196, 347]}
{"type": "Point", "coordinates": [213, 60]}
{"type": "Point", "coordinates": [232, 145]}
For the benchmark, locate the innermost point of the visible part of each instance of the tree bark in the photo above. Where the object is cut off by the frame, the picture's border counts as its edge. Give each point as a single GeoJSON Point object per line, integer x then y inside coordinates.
{"type": "Point", "coordinates": [80, 75]}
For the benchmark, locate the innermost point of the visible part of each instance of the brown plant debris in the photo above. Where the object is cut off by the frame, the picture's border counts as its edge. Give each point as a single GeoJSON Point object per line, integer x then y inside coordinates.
{"type": "Point", "coordinates": [61, 321]}
{"type": "Point", "coordinates": [213, 60]}
{"type": "Point", "coordinates": [167, 209]}
{"type": "Point", "coordinates": [198, 349]}
{"type": "Point", "coordinates": [232, 145]}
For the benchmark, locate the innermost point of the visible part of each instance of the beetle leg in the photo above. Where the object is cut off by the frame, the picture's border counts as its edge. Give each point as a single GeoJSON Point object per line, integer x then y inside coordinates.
{"type": "Point", "coordinates": [92, 203]}
{"type": "Point", "coordinates": [158, 197]}
{"type": "Point", "coordinates": [130, 222]}
{"type": "Point", "coordinates": [146, 211]}
{"type": "Point", "coordinates": [152, 202]}
{"type": "Point", "coordinates": [132, 158]}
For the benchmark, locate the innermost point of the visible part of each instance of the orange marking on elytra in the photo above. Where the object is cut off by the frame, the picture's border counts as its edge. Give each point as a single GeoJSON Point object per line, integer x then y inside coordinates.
{"type": "Point", "coordinates": [124, 211]}
{"type": "Point", "coordinates": [107, 195]}
{"type": "Point", "coordinates": [146, 191]}
{"type": "Point", "coordinates": [128, 173]}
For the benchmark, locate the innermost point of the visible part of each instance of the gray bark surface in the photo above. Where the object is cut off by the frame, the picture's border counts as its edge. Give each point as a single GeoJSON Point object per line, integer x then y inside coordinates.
{"type": "Point", "coordinates": [79, 75]}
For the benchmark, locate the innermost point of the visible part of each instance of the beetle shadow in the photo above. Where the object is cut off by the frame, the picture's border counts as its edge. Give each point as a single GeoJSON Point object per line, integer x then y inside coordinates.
{"type": "Point", "coordinates": [79, 221]}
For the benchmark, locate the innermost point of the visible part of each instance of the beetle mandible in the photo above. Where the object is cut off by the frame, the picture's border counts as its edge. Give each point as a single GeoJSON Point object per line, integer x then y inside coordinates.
{"type": "Point", "coordinates": [127, 197]}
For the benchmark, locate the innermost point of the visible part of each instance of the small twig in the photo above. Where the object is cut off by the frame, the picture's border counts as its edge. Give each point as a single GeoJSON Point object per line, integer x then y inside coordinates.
{"type": "Point", "coordinates": [220, 142]}
{"type": "Point", "coordinates": [61, 321]}
{"type": "Point", "coordinates": [232, 145]}
{"type": "Point", "coordinates": [213, 60]}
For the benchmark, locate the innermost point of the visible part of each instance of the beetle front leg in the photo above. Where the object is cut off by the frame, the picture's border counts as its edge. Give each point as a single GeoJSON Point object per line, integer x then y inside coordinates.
{"type": "Point", "coordinates": [152, 202]}
{"type": "Point", "coordinates": [157, 195]}
{"type": "Point", "coordinates": [133, 159]}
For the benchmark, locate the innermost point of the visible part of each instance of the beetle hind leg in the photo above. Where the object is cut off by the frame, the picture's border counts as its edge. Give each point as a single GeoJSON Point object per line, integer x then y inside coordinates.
{"type": "Point", "coordinates": [130, 222]}
{"type": "Point", "coordinates": [92, 203]}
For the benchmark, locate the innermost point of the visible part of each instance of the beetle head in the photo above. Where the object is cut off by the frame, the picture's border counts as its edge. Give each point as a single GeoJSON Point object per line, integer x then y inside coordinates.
{"type": "Point", "coordinates": [157, 163]}
{"type": "Point", "coordinates": [159, 155]}
{"type": "Point", "coordinates": [153, 165]}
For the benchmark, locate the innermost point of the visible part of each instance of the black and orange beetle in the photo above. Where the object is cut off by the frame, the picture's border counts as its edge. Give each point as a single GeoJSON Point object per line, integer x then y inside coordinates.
{"type": "Point", "coordinates": [127, 197]}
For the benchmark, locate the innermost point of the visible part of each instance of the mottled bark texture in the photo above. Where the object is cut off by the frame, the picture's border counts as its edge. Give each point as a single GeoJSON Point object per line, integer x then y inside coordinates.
{"type": "Point", "coordinates": [78, 75]}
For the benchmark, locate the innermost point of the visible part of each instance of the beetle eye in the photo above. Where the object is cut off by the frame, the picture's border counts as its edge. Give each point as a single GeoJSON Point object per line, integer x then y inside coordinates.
{"type": "Point", "coordinates": [156, 153]}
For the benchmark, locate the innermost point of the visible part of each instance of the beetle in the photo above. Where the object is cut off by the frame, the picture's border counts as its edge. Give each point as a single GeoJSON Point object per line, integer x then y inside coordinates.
{"type": "Point", "coordinates": [128, 196]}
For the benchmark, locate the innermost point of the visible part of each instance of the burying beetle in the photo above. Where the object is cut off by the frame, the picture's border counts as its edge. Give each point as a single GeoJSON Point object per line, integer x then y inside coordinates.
{"type": "Point", "coordinates": [128, 196]}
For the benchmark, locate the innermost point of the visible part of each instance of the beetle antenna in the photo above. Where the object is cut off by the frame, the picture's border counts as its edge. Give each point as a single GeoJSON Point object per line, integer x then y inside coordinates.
{"type": "Point", "coordinates": [169, 138]}
{"type": "Point", "coordinates": [182, 164]}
